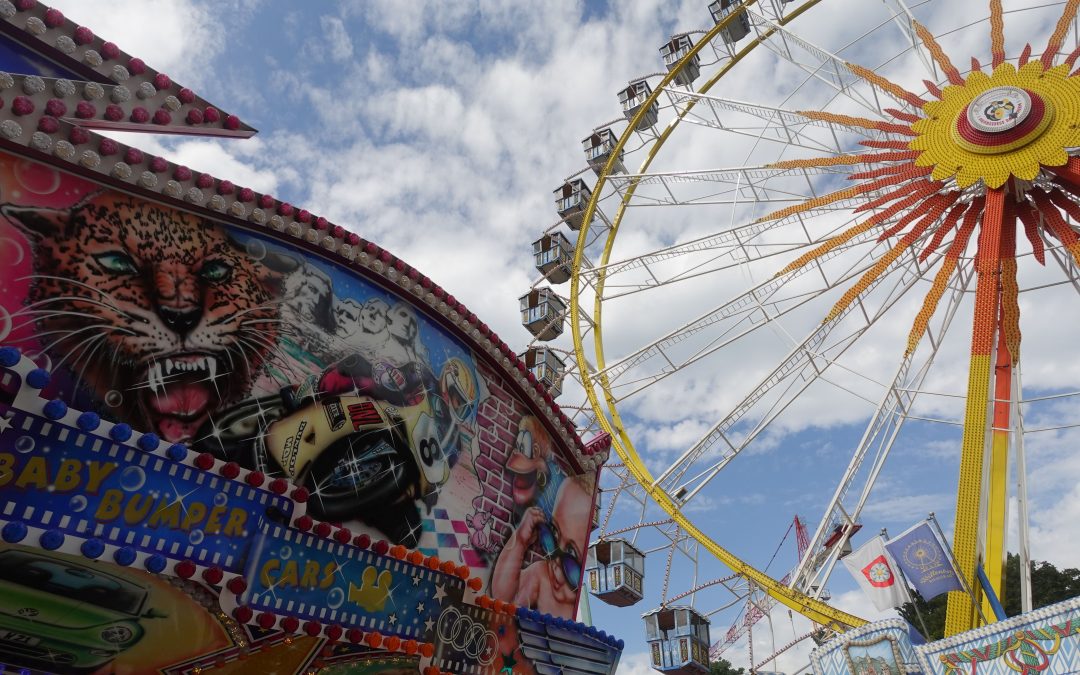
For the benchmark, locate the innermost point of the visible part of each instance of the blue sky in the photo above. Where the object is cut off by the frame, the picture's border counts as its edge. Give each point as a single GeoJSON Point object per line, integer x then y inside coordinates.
{"type": "Point", "coordinates": [439, 130]}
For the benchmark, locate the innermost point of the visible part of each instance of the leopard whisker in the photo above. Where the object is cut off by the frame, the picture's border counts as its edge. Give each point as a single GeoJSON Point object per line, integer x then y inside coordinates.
{"type": "Point", "coordinates": [81, 284]}
{"type": "Point", "coordinates": [34, 323]}
{"type": "Point", "coordinates": [78, 348]}
{"type": "Point", "coordinates": [42, 334]}
{"type": "Point", "coordinates": [68, 334]}
{"type": "Point", "coordinates": [276, 356]}
{"type": "Point", "coordinates": [228, 356]}
{"type": "Point", "coordinates": [257, 341]}
{"type": "Point", "coordinates": [247, 364]}
{"type": "Point", "coordinates": [254, 321]}
{"type": "Point", "coordinates": [89, 357]}
{"type": "Point", "coordinates": [30, 309]}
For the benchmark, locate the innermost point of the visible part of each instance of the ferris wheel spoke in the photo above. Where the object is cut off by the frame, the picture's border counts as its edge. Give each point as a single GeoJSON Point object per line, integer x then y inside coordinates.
{"type": "Point", "coordinates": [747, 313]}
{"type": "Point", "coordinates": [878, 438]}
{"type": "Point", "coordinates": [815, 61]}
{"type": "Point", "coordinates": [732, 247]}
{"type": "Point", "coordinates": [905, 21]}
{"type": "Point", "coordinates": [736, 244]}
{"type": "Point", "coordinates": [748, 185]}
{"type": "Point", "coordinates": [804, 365]}
{"type": "Point", "coordinates": [736, 318]}
{"type": "Point", "coordinates": [784, 126]}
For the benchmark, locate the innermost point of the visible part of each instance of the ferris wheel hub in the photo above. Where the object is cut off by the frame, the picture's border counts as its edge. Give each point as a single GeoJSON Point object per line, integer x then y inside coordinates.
{"type": "Point", "coordinates": [1009, 123]}
{"type": "Point", "coordinates": [1002, 119]}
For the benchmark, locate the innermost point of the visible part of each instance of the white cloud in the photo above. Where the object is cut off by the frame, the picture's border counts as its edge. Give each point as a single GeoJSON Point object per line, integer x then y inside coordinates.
{"type": "Point", "coordinates": [181, 38]}
{"type": "Point", "coordinates": [336, 37]}
{"type": "Point", "coordinates": [635, 664]}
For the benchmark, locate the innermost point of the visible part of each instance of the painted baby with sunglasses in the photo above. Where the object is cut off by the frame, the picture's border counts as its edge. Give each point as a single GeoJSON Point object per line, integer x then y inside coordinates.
{"type": "Point", "coordinates": [549, 585]}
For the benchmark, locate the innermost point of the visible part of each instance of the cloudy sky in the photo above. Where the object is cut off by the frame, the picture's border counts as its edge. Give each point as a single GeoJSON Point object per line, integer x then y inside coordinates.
{"type": "Point", "coordinates": [440, 129]}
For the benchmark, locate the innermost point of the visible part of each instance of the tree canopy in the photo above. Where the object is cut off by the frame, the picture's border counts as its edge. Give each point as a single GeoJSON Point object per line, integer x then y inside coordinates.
{"type": "Point", "coordinates": [722, 666]}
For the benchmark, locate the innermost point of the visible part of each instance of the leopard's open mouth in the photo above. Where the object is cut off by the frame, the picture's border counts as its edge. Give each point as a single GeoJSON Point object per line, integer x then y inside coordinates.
{"type": "Point", "coordinates": [180, 393]}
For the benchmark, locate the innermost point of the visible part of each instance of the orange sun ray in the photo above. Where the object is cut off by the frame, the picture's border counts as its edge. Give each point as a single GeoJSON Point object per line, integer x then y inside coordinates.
{"type": "Point", "coordinates": [845, 160]}
{"type": "Point", "coordinates": [936, 204]}
{"type": "Point", "coordinates": [939, 234]}
{"type": "Point", "coordinates": [846, 193]}
{"type": "Point", "coordinates": [997, 34]}
{"type": "Point", "coordinates": [1070, 172]}
{"type": "Point", "coordinates": [902, 116]}
{"type": "Point", "coordinates": [1068, 15]}
{"type": "Point", "coordinates": [852, 232]}
{"type": "Point", "coordinates": [885, 145]}
{"type": "Point", "coordinates": [880, 172]}
{"type": "Point", "coordinates": [929, 217]}
{"type": "Point", "coordinates": [1057, 225]}
{"type": "Point", "coordinates": [894, 90]}
{"type": "Point", "coordinates": [927, 185]}
{"type": "Point", "coordinates": [859, 122]}
{"type": "Point", "coordinates": [1030, 219]}
{"type": "Point", "coordinates": [945, 272]}
{"type": "Point", "coordinates": [1073, 55]}
{"type": "Point", "coordinates": [1025, 55]}
{"type": "Point", "coordinates": [938, 54]}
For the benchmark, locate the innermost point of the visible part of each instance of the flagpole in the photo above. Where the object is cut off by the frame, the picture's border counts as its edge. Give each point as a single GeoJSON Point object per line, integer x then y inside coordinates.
{"type": "Point", "coordinates": [907, 589]}
{"type": "Point", "coordinates": [956, 570]}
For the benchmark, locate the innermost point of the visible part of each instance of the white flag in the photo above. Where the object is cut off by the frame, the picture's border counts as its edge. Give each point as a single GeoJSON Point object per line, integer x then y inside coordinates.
{"type": "Point", "coordinates": [876, 573]}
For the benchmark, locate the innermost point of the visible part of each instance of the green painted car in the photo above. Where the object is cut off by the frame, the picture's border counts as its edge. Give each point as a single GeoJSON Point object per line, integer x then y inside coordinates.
{"type": "Point", "coordinates": [64, 616]}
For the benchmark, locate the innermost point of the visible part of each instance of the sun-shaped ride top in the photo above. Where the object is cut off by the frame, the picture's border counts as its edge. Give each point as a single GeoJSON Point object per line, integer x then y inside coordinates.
{"type": "Point", "coordinates": [985, 154]}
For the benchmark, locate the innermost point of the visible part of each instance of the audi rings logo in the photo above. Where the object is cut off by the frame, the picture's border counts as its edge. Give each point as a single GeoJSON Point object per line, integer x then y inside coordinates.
{"type": "Point", "coordinates": [465, 635]}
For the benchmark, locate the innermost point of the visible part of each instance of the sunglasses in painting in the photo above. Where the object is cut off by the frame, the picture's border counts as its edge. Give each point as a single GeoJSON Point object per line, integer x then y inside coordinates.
{"type": "Point", "coordinates": [548, 537]}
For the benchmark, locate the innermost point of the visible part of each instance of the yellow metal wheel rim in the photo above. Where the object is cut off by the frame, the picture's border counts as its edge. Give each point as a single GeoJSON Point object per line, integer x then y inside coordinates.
{"type": "Point", "coordinates": [813, 609]}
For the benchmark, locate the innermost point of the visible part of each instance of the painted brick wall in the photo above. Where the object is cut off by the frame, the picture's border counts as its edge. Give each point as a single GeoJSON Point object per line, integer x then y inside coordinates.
{"type": "Point", "coordinates": [498, 419]}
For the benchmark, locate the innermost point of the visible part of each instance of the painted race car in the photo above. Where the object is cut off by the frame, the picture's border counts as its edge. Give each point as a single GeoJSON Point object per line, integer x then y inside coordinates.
{"type": "Point", "coordinates": [364, 458]}
{"type": "Point", "coordinates": [67, 617]}
{"type": "Point", "coordinates": [368, 440]}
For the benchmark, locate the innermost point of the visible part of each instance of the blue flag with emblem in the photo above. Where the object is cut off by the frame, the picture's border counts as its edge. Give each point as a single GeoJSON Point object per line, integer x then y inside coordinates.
{"type": "Point", "coordinates": [924, 561]}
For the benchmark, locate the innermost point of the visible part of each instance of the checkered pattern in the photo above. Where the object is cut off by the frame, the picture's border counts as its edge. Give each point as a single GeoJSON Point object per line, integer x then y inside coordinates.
{"type": "Point", "coordinates": [448, 539]}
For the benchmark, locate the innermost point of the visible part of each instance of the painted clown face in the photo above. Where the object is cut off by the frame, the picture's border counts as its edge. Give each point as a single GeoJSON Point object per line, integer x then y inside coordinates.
{"type": "Point", "coordinates": [528, 462]}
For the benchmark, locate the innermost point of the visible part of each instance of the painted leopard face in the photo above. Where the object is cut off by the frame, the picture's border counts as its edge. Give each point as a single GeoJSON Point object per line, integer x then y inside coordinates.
{"type": "Point", "coordinates": [155, 303]}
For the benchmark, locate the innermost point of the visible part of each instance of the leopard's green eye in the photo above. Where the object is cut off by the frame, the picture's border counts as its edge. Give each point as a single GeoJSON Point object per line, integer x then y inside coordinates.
{"type": "Point", "coordinates": [215, 271]}
{"type": "Point", "coordinates": [116, 262]}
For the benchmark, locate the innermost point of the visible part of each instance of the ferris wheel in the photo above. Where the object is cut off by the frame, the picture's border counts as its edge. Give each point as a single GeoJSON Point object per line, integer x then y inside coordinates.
{"type": "Point", "coordinates": [809, 246]}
